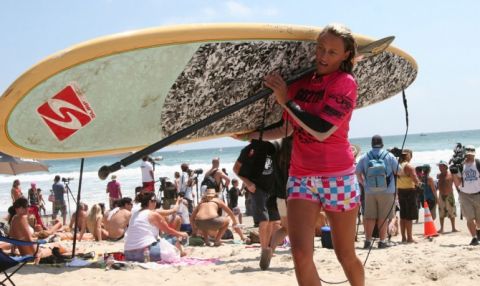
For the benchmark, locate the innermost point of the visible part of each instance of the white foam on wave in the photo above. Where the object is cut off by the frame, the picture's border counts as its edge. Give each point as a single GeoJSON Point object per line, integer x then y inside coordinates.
{"type": "Point", "coordinates": [93, 189]}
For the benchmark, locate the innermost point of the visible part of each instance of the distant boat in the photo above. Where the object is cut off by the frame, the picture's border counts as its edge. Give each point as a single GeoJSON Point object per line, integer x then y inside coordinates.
{"type": "Point", "coordinates": [423, 134]}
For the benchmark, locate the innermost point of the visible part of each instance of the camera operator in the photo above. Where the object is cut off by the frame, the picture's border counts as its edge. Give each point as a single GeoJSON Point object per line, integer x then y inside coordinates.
{"type": "Point", "coordinates": [59, 202]}
{"type": "Point", "coordinates": [185, 185]}
{"type": "Point", "coordinates": [468, 183]}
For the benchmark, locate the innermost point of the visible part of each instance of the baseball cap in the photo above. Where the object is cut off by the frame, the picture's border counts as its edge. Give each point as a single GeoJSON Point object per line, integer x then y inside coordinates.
{"type": "Point", "coordinates": [377, 141]}
{"type": "Point", "coordinates": [469, 150]}
{"type": "Point", "coordinates": [442, 162]}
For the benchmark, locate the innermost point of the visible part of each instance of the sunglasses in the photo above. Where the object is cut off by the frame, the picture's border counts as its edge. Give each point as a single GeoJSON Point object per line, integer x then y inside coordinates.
{"type": "Point", "coordinates": [469, 150]}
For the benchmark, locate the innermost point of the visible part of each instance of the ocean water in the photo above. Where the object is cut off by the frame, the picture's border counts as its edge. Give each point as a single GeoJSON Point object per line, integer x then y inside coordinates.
{"type": "Point", "coordinates": [427, 148]}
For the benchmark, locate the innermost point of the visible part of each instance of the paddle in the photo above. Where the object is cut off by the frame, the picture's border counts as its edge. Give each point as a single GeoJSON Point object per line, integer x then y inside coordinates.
{"type": "Point", "coordinates": [366, 51]}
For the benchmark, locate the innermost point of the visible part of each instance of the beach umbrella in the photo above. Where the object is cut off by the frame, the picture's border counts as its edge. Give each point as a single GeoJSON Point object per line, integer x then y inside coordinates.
{"type": "Point", "coordinates": [13, 166]}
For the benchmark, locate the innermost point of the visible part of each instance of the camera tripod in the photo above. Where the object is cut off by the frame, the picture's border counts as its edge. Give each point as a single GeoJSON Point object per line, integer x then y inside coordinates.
{"type": "Point", "coordinates": [69, 192]}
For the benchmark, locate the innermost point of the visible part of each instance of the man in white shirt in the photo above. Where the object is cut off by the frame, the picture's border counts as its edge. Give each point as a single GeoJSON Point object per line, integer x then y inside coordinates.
{"type": "Point", "coordinates": [148, 181]}
{"type": "Point", "coordinates": [468, 182]}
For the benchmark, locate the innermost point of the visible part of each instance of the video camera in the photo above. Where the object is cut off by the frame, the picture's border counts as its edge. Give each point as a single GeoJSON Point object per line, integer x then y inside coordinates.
{"type": "Point", "coordinates": [198, 171]}
{"type": "Point", "coordinates": [167, 188]}
{"type": "Point", "coordinates": [397, 152]}
{"type": "Point", "coordinates": [66, 180]}
{"type": "Point", "coordinates": [456, 162]}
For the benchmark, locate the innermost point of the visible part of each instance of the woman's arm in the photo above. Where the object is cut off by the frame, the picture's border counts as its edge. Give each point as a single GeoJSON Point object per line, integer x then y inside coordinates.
{"type": "Point", "coordinates": [158, 220]}
{"type": "Point", "coordinates": [316, 126]}
{"type": "Point", "coordinates": [227, 210]}
{"type": "Point", "coordinates": [410, 171]}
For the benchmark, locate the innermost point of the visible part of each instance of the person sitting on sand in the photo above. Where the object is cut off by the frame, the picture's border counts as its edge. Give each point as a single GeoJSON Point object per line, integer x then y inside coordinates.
{"type": "Point", "coordinates": [143, 229]}
{"type": "Point", "coordinates": [82, 220]}
{"type": "Point", "coordinates": [116, 220]}
{"type": "Point", "coordinates": [94, 223]}
{"type": "Point", "coordinates": [21, 230]}
{"type": "Point", "coordinates": [206, 217]}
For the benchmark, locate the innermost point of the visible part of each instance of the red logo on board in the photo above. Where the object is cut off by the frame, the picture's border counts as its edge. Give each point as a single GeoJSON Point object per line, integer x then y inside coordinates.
{"type": "Point", "coordinates": [66, 113]}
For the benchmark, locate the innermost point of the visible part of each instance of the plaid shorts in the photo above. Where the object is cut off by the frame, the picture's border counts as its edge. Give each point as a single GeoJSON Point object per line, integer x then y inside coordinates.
{"type": "Point", "coordinates": [337, 194]}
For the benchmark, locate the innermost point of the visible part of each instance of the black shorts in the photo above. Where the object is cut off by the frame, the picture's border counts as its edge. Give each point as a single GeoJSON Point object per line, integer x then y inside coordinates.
{"type": "Point", "coordinates": [408, 204]}
{"type": "Point", "coordinates": [264, 208]}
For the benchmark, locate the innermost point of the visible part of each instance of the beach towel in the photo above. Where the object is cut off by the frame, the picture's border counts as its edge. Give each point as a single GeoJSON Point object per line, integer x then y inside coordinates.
{"type": "Point", "coordinates": [183, 261]}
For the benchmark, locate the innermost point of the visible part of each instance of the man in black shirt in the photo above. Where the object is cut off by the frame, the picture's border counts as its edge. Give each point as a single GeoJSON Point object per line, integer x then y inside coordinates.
{"type": "Point", "coordinates": [254, 167]}
{"type": "Point", "coordinates": [233, 194]}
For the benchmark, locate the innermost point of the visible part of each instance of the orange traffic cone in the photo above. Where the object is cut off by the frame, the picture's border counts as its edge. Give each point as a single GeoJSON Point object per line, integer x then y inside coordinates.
{"type": "Point", "coordinates": [428, 225]}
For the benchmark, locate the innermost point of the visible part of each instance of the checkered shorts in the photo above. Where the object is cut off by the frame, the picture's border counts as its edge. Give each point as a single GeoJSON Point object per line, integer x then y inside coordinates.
{"type": "Point", "coordinates": [336, 194]}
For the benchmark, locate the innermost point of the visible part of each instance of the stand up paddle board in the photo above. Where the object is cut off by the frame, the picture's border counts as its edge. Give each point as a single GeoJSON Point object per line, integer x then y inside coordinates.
{"type": "Point", "coordinates": [120, 93]}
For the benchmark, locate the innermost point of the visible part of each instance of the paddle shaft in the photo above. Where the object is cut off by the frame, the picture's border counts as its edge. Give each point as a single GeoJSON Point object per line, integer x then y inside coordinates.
{"type": "Point", "coordinates": [104, 172]}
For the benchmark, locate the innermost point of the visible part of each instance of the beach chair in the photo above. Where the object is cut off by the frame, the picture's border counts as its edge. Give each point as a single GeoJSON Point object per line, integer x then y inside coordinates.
{"type": "Point", "coordinates": [15, 262]}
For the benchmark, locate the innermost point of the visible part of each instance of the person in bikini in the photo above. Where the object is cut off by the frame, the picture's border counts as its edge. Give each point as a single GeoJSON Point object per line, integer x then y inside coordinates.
{"type": "Point", "coordinates": [20, 229]}
{"type": "Point", "coordinates": [207, 218]}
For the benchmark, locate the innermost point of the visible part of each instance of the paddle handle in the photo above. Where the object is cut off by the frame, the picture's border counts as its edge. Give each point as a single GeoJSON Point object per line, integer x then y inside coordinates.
{"type": "Point", "coordinates": [104, 171]}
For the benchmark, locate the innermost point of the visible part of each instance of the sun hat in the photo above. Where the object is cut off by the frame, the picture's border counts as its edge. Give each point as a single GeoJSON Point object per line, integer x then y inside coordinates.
{"type": "Point", "coordinates": [469, 150]}
{"type": "Point", "coordinates": [210, 193]}
{"type": "Point", "coordinates": [442, 162]}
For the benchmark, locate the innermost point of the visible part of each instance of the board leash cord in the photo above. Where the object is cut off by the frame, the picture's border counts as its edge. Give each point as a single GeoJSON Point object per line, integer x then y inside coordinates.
{"type": "Point", "coordinates": [405, 106]}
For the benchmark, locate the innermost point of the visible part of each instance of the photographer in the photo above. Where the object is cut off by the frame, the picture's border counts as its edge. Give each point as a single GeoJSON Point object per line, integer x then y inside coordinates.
{"type": "Point", "coordinates": [185, 185]}
{"type": "Point", "coordinates": [59, 202]}
{"type": "Point", "coordinates": [467, 180]}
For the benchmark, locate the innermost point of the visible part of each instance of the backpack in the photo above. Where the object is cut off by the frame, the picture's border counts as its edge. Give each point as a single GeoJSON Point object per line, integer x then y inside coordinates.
{"type": "Point", "coordinates": [259, 160]}
{"type": "Point", "coordinates": [210, 182]}
{"type": "Point", "coordinates": [376, 176]}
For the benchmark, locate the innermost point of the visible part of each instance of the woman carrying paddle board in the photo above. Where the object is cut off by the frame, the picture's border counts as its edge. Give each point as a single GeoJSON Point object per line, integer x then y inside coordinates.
{"type": "Point", "coordinates": [319, 108]}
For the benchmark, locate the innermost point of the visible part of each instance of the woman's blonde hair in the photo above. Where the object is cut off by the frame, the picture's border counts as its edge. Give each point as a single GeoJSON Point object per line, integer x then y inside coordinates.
{"type": "Point", "coordinates": [94, 214]}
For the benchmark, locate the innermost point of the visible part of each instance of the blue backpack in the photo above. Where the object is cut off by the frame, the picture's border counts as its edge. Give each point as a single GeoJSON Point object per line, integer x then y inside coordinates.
{"type": "Point", "coordinates": [376, 176]}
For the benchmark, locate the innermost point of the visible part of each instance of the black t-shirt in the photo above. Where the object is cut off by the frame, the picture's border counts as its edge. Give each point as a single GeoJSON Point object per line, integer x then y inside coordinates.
{"type": "Point", "coordinates": [233, 197]}
{"type": "Point", "coordinates": [257, 164]}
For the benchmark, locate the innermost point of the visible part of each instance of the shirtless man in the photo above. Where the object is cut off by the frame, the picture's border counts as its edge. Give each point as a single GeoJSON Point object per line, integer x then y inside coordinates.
{"type": "Point", "coordinates": [207, 220]}
{"type": "Point", "coordinates": [82, 220]}
{"type": "Point", "coordinates": [116, 220]}
{"type": "Point", "coordinates": [446, 200]}
{"type": "Point", "coordinates": [221, 178]}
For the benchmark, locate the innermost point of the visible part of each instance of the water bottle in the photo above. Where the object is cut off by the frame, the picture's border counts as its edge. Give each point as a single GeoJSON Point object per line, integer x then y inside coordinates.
{"type": "Point", "coordinates": [146, 255]}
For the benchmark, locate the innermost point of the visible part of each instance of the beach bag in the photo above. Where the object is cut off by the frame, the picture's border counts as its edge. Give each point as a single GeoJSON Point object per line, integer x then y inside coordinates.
{"type": "Point", "coordinates": [228, 234]}
{"type": "Point", "coordinates": [210, 182]}
{"type": "Point", "coordinates": [376, 177]}
{"type": "Point", "coordinates": [168, 252]}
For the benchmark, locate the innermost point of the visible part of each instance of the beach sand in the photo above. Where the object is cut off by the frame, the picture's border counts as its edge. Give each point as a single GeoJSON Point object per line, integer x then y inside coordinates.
{"type": "Point", "coordinates": [445, 260]}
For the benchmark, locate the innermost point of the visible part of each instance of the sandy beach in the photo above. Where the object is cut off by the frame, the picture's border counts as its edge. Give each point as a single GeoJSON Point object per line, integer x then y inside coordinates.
{"type": "Point", "coordinates": [444, 260]}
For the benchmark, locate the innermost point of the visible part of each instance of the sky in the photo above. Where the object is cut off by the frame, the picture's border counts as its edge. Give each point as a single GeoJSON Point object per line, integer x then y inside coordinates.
{"type": "Point", "coordinates": [442, 36]}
